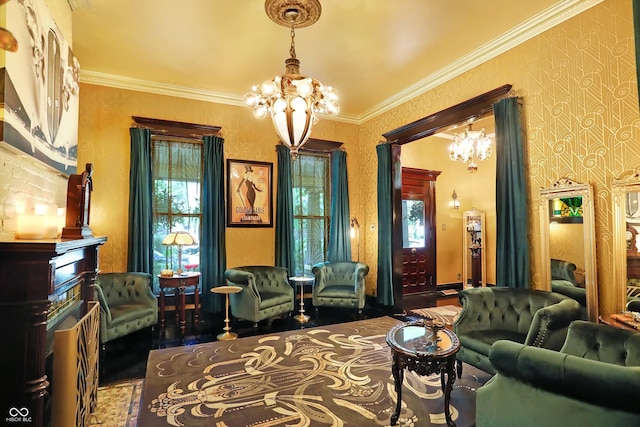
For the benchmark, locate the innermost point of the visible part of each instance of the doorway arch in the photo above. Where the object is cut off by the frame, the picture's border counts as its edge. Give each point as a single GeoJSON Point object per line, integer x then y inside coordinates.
{"type": "Point", "coordinates": [477, 107]}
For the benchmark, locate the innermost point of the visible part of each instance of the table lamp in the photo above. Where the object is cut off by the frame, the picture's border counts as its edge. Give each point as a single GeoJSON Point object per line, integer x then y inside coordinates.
{"type": "Point", "coordinates": [179, 239]}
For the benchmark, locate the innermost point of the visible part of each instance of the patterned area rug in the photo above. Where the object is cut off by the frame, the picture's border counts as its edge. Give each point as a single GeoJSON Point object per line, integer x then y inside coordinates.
{"type": "Point", "coordinates": [446, 313]}
{"type": "Point", "coordinates": [325, 376]}
{"type": "Point", "coordinates": [118, 404]}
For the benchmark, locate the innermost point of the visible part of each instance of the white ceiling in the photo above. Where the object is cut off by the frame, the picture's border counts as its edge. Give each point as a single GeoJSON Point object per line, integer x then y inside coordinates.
{"type": "Point", "coordinates": [377, 53]}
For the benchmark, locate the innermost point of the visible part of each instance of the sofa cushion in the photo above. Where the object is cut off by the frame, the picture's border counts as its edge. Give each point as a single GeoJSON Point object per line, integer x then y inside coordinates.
{"type": "Point", "coordinates": [336, 291]}
{"type": "Point", "coordinates": [480, 340]}
{"type": "Point", "coordinates": [270, 299]}
{"type": "Point", "coordinates": [124, 313]}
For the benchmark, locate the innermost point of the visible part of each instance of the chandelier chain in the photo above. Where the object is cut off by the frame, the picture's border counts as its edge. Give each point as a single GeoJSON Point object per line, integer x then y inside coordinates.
{"type": "Point", "coordinates": [292, 49]}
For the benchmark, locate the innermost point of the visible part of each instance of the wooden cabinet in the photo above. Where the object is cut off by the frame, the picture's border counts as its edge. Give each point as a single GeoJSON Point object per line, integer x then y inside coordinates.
{"type": "Point", "coordinates": [45, 285]}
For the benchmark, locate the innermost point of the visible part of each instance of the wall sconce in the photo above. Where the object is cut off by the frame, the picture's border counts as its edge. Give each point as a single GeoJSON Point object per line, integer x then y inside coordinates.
{"type": "Point", "coordinates": [456, 202]}
{"type": "Point", "coordinates": [355, 233]}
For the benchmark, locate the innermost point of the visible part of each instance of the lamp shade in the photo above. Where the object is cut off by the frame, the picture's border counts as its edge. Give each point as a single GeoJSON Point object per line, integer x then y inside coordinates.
{"type": "Point", "coordinates": [179, 238]}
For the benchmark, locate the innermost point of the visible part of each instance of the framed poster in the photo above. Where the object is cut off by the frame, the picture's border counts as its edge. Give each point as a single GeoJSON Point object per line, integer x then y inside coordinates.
{"type": "Point", "coordinates": [249, 193]}
{"type": "Point", "coordinates": [39, 89]}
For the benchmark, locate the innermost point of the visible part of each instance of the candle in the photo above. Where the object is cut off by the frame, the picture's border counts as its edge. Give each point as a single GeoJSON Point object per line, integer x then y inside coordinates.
{"type": "Point", "coordinates": [29, 226]}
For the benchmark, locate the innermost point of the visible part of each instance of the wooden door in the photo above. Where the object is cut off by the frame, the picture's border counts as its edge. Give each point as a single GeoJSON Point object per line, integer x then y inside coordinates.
{"type": "Point", "coordinates": [418, 231]}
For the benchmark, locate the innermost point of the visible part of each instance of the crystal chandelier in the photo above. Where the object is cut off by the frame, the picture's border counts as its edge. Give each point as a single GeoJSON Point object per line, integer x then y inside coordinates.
{"type": "Point", "coordinates": [293, 100]}
{"type": "Point", "coordinates": [471, 142]}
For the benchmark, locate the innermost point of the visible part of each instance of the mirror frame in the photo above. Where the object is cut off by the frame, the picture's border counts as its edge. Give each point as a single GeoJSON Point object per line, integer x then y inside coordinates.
{"type": "Point", "coordinates": [619, 189]}
{"type": "Point", "coordinates": [564, 188]}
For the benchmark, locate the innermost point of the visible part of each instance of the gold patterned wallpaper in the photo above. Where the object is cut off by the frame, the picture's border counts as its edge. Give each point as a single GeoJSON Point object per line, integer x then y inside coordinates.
{"type": "Point", "coordinates": [581, 121]}
{"type": "Point", "coordinates": [581, 117]}
{"type": "Point", "coordinates": [104, 125]}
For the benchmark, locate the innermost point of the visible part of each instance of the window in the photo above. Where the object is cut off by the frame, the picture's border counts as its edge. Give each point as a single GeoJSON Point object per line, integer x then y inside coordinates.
{"type": "Point", "coordinates": [177, 196]}
{"type": "Point", "coordinates": [311, 183]}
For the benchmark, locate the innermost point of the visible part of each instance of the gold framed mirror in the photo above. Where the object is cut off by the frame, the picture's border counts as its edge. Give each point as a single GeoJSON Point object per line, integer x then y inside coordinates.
{"type": "Point", "coordinates": [625, 193]}
{"type": "Point", "coordinates": [567, 233]}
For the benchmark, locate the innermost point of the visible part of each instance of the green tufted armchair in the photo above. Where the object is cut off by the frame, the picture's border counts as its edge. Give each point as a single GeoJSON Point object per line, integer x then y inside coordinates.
{"type": "Point", "coordinates": [126, 304]}
{"type": "Point", "coordinates": [339, 284]}
{"type": "Point", "coordinates": [526, 316]}
{"type": "Point", "coordinates": [266, 292]}
{"type": "Point", "coordinates": [594, 380]}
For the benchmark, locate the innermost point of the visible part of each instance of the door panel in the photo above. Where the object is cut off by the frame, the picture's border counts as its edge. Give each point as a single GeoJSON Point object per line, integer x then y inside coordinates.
{"type": "Point", "coordinates": [418, 231]}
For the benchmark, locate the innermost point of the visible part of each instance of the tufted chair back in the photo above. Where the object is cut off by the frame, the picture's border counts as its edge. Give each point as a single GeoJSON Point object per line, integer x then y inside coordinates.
{"type": "Point", "coordinates": [339, 284]}
{"type": "Point", "coordinates": [126, 304]}
{"type": "Point", "coordinates": [266, 292]}
{"type": "Point", "coordinates": [593, 381]}
{"type": "Point", "coordinates": [526, 316]}
{"type": "Point", "coordinates": [563, 270]}
{"type": "Point", "coordinates": [603, 343]}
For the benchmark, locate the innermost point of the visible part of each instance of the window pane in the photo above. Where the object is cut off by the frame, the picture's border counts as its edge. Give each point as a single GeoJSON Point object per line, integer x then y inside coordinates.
{"type": "Point", "coordinates": [177, 173]}
{"type": "Point", "coordinates": [310, 199]}
{"type": "Point", "coordinates": [413, 224]}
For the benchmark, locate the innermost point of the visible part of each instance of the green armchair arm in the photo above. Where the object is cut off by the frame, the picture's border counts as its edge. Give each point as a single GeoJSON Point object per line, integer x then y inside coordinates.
{"type": "Point", "coordinates": [549, 326]}
{"type": "Point", "coordinates": [473, 315]}
{"type": "Point", "coordinates": [104, 306]}
{"type": "Point", "coordinates": [600, 383]}
{"type": "Point", "coordinates": [245, 280]}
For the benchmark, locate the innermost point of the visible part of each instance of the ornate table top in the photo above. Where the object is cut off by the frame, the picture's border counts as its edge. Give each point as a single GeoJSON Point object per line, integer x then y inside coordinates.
{"type": "Point", "coordinates": [423, 339]}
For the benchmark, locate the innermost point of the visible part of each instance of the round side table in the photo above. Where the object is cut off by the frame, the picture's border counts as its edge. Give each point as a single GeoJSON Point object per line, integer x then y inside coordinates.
{"type": "Point", "coordinates": [425, 347]}
{"type": "Point", "coordinates": [227, 290]}
{"type": "Point", "coordinates": [301, 281]}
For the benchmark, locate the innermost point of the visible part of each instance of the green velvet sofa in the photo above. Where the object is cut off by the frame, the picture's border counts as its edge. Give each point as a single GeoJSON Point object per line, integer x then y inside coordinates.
{"type": "Point", "coordinates": [266, 293]}
{"type": "Point", "coordinates": [594, 380]}
{"type": "Point", "coordinates": [526, 316]}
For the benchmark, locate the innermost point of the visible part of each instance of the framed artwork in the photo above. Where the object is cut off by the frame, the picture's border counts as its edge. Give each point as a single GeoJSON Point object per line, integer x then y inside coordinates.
{"type": "Point", "coordinates": [39, 94]}
{"type": "Point", "coordinates": [249, 193]}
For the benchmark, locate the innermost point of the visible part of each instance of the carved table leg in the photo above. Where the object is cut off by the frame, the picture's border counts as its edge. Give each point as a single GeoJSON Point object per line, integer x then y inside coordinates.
{"type": "Point", "coordinates": [398, 378]}
{"type": "Point", "coordinates": [161, 312]}
{"type": "Point", "coordinates": [196, 309]}
{"type": "Point", "coordinates": [182, 303]}
{"type": "Point", "coordinates": [451, 377]}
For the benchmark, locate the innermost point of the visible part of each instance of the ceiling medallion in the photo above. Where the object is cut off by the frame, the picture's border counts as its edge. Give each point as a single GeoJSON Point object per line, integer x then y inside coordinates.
{"type": "Point", "coordinates": [307, 12]}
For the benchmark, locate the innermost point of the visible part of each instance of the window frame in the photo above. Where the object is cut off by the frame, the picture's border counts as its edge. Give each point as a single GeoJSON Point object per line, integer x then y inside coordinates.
{"type": "Point", "coordinates": [326, 156]}
{"type": "Point", "coordinates": [171, 140]}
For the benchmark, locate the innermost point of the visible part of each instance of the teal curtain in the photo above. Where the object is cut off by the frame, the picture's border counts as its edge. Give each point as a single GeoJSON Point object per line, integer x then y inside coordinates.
{"type": "Point", "coordinates": [339, 230]}
{"type": "Point", "coordinates": [213, 248]}
{"type": "Point", "coordinates": [636, 31]}
{"type": "Point", "coordinates": [140, 258]}
{"type": "Point", "coordinates": [284, 211]}
{"type": "Point", "coordinates": [512, 246]}
{"type": "Point", "coordinates": [385, 227]}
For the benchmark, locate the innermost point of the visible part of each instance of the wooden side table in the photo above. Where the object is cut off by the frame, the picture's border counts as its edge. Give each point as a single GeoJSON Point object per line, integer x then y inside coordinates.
{"type": "Point", "coordinates": [426, 348]}
{"type": "Point", "coordinates": [179, 283]}
{"type": "Point", "coordinates": [227, 290]}
{"type": "Point", "coordinates": [607, 319]}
